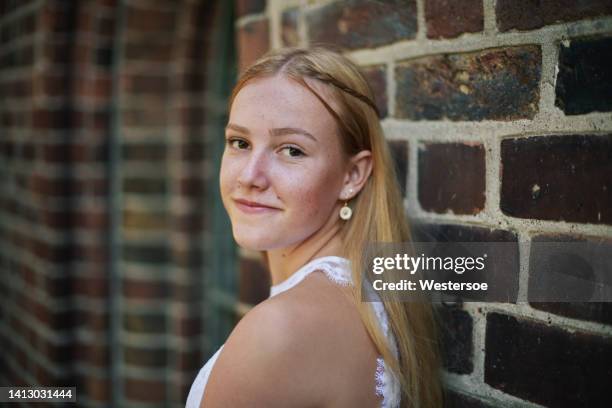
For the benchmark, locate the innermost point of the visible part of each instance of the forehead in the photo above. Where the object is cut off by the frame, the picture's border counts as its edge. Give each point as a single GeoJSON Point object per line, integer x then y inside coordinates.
{"type": "Point", "coordinates": [279, 101]}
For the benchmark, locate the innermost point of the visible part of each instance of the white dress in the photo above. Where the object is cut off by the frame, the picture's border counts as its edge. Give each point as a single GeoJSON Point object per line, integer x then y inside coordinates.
{"type": "Point", "coordinates": [337, 269]}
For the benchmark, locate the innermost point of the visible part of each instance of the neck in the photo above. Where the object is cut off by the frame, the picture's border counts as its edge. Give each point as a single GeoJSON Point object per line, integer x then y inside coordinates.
{"type": "Point", "coordinates": [286, 261]}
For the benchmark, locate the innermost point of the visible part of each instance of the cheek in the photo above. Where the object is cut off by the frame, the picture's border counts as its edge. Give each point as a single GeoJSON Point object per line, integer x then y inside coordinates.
{"type": "Point", "coordinates": [313, 193]}
{"type": "Point", "coordinates": [226, 177]}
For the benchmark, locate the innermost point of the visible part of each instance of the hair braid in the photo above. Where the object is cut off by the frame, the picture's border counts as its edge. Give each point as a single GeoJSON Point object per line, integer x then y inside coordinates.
{"type": "Point", "coordinates": [327, 78]}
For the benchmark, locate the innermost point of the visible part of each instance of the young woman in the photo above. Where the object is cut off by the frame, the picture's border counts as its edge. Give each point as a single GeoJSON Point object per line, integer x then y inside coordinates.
{"type": "Point", "coordinates": [307, 178]}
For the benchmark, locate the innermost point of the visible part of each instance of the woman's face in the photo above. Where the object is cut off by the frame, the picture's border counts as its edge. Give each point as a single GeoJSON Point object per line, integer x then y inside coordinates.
{"type": "Point", "coordinates": [283, 156]}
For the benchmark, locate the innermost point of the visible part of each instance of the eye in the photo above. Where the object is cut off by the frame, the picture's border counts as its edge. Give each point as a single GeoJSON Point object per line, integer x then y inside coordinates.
{"type": "Point", "coordinates": [238, 144]}
{"type": "Point", "coordinates": [292, 151]}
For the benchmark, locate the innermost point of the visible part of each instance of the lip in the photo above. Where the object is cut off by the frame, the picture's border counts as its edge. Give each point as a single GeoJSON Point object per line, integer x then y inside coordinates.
{"type": "Point", "coordinates": [251, 207]}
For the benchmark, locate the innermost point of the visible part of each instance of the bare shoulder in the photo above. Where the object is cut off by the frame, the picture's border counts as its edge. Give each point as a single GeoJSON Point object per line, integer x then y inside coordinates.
{"type": "Point", "coordinates": [266, 359]}
{"type": "Point", "coordinates": [291, 350]}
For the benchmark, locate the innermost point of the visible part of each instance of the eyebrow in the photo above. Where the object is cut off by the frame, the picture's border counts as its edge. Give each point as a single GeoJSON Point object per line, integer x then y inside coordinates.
{"type": "Point", "coordinates": [273, 132]}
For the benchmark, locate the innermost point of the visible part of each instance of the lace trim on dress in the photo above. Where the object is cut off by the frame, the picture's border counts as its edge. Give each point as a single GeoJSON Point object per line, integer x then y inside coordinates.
{"type": "Point", "coordinates": [336, 268]}
{"type": "Point", "coordinates": [387, 384]}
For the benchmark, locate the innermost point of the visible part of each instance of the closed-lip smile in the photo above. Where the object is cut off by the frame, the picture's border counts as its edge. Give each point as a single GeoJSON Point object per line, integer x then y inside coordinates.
{"type": "Point", "coordinates": [252, 206]}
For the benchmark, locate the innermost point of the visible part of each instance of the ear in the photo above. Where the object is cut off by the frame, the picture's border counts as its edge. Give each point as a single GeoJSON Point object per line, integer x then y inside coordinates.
{"type": "Point", "coordinates": [358, 171]}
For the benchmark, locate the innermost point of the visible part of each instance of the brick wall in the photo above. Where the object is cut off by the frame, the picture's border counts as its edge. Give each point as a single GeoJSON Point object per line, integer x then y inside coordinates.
{"type": "Point", "coordinates": [103, 133]}
{"type": "Point", "coordinates": [500, 118]}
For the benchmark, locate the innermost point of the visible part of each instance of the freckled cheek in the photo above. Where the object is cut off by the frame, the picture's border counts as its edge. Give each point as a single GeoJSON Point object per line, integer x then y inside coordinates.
{"type": "Point", "coordinates": [307, 197]}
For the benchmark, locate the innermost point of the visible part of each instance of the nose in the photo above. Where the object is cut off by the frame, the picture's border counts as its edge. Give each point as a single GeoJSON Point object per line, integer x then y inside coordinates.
{"type": "Point", "coordinates": [254, 174]}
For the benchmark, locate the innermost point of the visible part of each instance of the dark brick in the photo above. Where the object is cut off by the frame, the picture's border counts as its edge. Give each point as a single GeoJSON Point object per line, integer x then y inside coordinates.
{"type": "Point", "coordinates": [460, 233]}
{"type": "Point", "coordinates": [153, 116]}
{"type": "Point", "coordinates": [103, 57]}
{"type": "Point", "coordinates": [289, 27]}
{"type": "Point", "coordinates": [156, 254]}
{"type": "Point", "coordinates": [190, 186]}
{"type": "Point", "coordinates": [501, 84]}
{"type": "Point", "coordinates": [399, 153]}
{"type": "Point", "coordinates": [458, 400]}
{"type": "Point", "coordinates": [191, 258]}
{"type": "Point", "coordinates": [254, 281]}
{"type": "Point", "coordinates": [589, 261]}
{"type": "Point", "coordinates": [190, 223]}
{"type": "Point", "coordinates": [189, 361]}
{"type": "Point", "coordinates": [451, 18]}
{"type": "Point", "coordinates": [151, 19]}
{"type": "Point", "coordinates": [584, 81]}
{"type": "Point", "coordinates": [355, 24]}
{"type": "Point", "coordinates": [146, 84]}
{"type": "Point", "coordinates": [452, 177]}
{"type": "Point", "coordinates": [144, 289]}
{"type": "Point", "coordinates": [501, 247]}
{"type": "Point", "coordinates": [600, 312]}
{"type": "Point", "coordinates": [527, 15]}
{"type": "Point", "coordinates": [145, 390]}
{"type": "Point", "coordinates": [244, 7]}
{"type": "Point", "coordinates": [253, 42]}
{"type": "Point", "coordinates": [558, 178]}
{"type": "Point", "coordinates": [377, 79]}
{"type": "Point", "coordinates": [146, 357]}
{"type": "Point", "coordinates": [142, 185]}
{"type": "Point", "coordinates": [144, 151]}
{"type": "Point", "coordinates": [144, 323]}
{"type": "Point", "coordinates": [547, 365]}
{"type": "Point", "coordinates": [456, 335]}
{"type": "Point", "coordinates": [154, 50]}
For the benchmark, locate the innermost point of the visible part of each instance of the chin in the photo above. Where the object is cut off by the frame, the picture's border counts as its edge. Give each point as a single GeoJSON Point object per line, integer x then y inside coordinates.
{"type": "Point", "coordinates": [252, 241]}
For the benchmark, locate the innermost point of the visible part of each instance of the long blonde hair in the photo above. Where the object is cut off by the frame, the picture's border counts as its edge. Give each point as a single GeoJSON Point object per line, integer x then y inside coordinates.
{"type": "Point", "coordinates": [378, 213]}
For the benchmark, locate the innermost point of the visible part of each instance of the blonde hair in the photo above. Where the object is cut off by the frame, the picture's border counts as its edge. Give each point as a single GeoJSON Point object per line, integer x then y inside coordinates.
{"type": "Point", "coordinates": [378, 213]}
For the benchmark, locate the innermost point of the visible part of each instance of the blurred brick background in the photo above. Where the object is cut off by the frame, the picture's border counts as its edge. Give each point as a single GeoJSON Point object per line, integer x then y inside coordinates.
{"type": "Point", "coordinates": [500, 118]}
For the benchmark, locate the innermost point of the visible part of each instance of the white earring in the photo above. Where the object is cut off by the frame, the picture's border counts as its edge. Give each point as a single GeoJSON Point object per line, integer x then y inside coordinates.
{"type": "Point", "coordinates": [345, 212]}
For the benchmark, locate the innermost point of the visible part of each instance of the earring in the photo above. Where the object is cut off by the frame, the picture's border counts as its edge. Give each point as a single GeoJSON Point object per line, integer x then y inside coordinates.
{"type": "Point", "coordinates": [345, 212]}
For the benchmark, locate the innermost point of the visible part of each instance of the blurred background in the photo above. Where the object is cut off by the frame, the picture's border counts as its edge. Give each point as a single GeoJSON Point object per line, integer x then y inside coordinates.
{"type": "Point", "coordinates": [118, 273]}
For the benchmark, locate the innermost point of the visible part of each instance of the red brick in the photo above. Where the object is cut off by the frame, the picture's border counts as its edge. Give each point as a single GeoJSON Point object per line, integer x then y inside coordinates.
{"type": "Point", "coordinates": [95, 355]}
{"type": "Point", "coordinates": [97, 389]}
{"type": "Point", "coordinates": [452, 178]}
{"type": "Point", "coordinates": [244, 7]}
{"type": "Point", "coordinates": [145, 390]}
{"type": "Point", "coordinates": [142, 289]}
{"type": "Point", "coordinates": [92, 286]}
{"type": "Point", "coordinates": [153, 50]}
{"type": "Point", "coordinates": [192, 186]}
{"type": "Point", "coordinates": [253, 42]}
{"type": "Point", "coordinates": [377, 79]}
{"type": "Point", "coordinates": [150, 19]}
{"type": "Point", "coordinates": [451, 18]}
{"type": "Point", "coordinates": [97, 322]}
{"type": "Point", "coordinates": [189, 360]}
{"type": "Point", "coordinates": [189, 326]}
